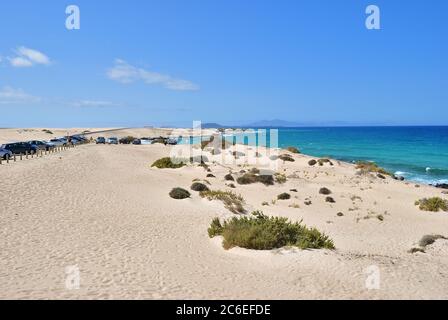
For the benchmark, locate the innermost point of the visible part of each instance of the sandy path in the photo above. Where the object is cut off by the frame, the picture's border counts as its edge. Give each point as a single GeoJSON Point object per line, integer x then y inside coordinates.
{"type": "Point", "coordinates": [103, 209]}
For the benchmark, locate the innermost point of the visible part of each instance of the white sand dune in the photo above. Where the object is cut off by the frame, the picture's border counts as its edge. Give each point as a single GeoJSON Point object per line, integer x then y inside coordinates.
{"type": "Point", "coordinates": [105, 210]}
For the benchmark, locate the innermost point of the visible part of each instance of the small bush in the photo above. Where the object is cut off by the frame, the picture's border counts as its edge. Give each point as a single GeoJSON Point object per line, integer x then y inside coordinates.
{"type": "Point", "coordinates": [160, 140]}
{"type": "Point", "coordinates": [179, 193]}
{"type": "Point", "coordinates": [250, 178]}
{"type": "Point", "coordinates": [284, 196]}
{"type": "Point", "coordinates": [286, 157]}
{"type": "Point", "coordinates": [379, 175]}
{"type": "Point", "coordinates": [232, 201]}
{"type": "Point", "coordinates": [47, 131]}
{"type": "Point", "coordinates": [126, 140]}
{"type": "Point", "coordinates": [429, 239]}
{"type": "Point", "coordinates": [369, 167]}
{"type": "Point", "coordinates": [197, 186]}
{"type": "Point", "coordinates": [324, 161]}
{"type": "Point", "coordinates": [280, 178]}
{"type": "Point", "coordinates": [325, 191]}
{"type": "Point", "coordinates": [260, 232]}
{"type": "Point", "coordinates": [312, 162]}
{"type": "Point", "coordinates": [432, 204]}
{"type": "Point", "coordinates": [229, 177]}
{"type": "Point", "coordinates": [211, 175]}
{"type": "Point", "coordinates": [330, 200]}
{"type": "Point", "coordinates": [293, 150]}
{"type": "Point", "coordinates": [167, 163]}
{"type": "Point", "coordinates": [215, 229]}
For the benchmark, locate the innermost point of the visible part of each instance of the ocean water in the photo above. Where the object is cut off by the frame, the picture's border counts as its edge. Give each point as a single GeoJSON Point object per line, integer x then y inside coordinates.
{"type": "Point", "coordinates": [419, 154]}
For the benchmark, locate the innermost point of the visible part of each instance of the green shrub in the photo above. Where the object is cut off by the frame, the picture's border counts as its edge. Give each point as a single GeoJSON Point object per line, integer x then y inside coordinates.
{"type": "Point", "coordinates": [167, 163]}
{"type": "Point", "coordinates": [215, 228]}
{"type": "Point", "coordinates": [197, 186]}
{"type": "Point", "coordinates": [260, 232]}
{"type": "Point", "coordinates": [323, 161]}
{"type": "Point", "coordinates": [160, 140]}
{"type": "Point", "coordinates": [229, 177]}
{"type": "Point", "coordinates": [179, 193]}
{"type": "Point", "coordinates": [232, 202]}
{"type": "Point", "coordinates": [293, 150]}
{"type": "Point", "coordinates": [250, 178]}
{"type": "Point", "coordinates": [286, 157]}
{"type": "Point", "coordinates": [284, 196]}
{"type": "Point", "coordinates": [280, 178]}
{"type": "Point", "coordinates": [47, 131]}
{"type": "Point", "coordinates": [432, 204]}
{"type": "Point", "coordinates": [368, 167]}
{"type": "Point", "coordinates": [330, 200]}
{"type": "Point", "coordinates": [126, 140]}
{"type": "Point", "coordinates": [312, 162]}
{"type": "Point", "coordinates": [325, 191]}
{"type": "Point", "coordinates": [430, 239]}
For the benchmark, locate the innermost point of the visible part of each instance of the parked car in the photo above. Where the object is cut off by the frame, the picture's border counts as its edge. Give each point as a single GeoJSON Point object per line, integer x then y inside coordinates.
{"type": "Point", "coordinates": [146, 141]}
{"type": "Point", "coordinates": [172, 141]}
{"type": "Point", "coordinates": [40, 145]}
{"type": "Point", "coordinates": [56, 142]}
{"type": "Point", "coordinates": [19, 147]}
{"type": "Point", "coordinates": [100, 140]}
{"type": "Point", "coordinates": [5, 154]}
{"type": "Point", "coordinates": [137, 141]}
{"type": "Point", "coordinates": [112, 140]}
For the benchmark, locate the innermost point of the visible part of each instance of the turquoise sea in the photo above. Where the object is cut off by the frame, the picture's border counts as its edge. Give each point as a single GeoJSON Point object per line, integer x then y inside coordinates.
{"type": "Point", "coordinates": [417, 153]}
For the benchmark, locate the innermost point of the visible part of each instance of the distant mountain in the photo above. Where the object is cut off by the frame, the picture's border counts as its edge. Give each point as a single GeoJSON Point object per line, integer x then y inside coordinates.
{"type": "Point", "coordinates": [274, 124]}
{"type": "Point", "coordinates": [212, 125]}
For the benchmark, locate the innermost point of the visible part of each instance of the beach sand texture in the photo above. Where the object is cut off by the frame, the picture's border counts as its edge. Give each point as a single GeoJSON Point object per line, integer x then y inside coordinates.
{"type": "Point", "coordinates": [105, 210]}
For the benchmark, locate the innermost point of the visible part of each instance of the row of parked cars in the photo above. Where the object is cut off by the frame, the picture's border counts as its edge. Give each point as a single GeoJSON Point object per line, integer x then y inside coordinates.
{"type": "Point", "coordinates": [132, 140]}
{"type": "Point", "coordinates": [9, 149]}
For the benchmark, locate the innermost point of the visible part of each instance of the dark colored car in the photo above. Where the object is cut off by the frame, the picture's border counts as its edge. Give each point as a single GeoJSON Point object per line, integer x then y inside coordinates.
{"type": "Point", "coordinates": [20, 147]}
{"type": "Point", "coordinates": [137, 141]}
{"type": "Point", "coordinates": [40, 145]}
{"type": "Point", "coordinates": [100, 140]}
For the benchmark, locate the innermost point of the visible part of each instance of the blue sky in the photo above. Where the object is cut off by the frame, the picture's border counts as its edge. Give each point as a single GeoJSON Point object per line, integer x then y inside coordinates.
{"type": "Point", "coordinates": [137, 63]}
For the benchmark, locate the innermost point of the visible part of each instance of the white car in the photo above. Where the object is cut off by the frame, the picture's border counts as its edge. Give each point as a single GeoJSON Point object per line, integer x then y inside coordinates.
{"type": "Point", "coordinates": [56, 142]}
{"type": "Point", "coordinates": [5, 154]}
{"type": "Point", "coordinates": [146, 141]}
{"type": "Point", "coordinates": [112, 140]}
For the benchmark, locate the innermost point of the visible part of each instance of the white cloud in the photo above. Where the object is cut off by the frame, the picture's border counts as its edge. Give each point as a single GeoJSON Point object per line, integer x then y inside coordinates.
{"type": "Point", "coordinates": [26, 57]}
{"type": "Point", "coordinates": [125, 73]}
{"type": "Point", "coordinates": [9, 95]}
{"type": "Point", "coordinates": [20, 62]}
{"type": "Point", "coordinates": [93, 103]}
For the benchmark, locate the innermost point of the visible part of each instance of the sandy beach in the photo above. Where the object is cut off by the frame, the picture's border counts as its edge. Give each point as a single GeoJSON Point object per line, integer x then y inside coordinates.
{"type": "Point", "coordinates": [103, 209]}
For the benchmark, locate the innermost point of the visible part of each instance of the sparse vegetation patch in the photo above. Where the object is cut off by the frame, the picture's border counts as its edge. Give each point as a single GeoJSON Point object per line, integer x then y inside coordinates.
{"type": "Point", "coordinates": [232, 201]}
{"type": "Point", "coordinates": [179, 193]}
{"type": "Point", "coordinates": [167, 163]}
{"type": "Point", "coordinates": [434, 204]}
{"type": "Point", "coordinates": [261, 232]}
{"type": "Point", "coordinates": [371, 167]}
